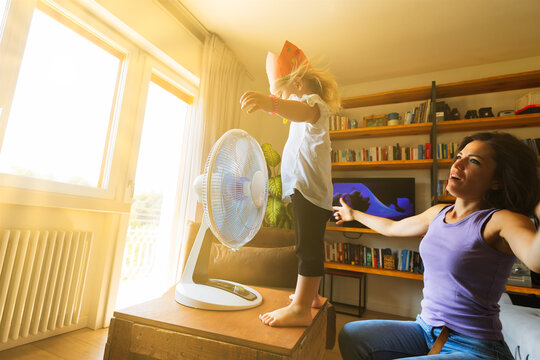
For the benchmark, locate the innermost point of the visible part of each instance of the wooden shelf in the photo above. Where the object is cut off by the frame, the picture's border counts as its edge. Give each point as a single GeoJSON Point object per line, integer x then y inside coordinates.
{"type": "Point", "coordinates": [447, 163]}
{"type": "Point", "coordinates": [387, 97]}
{"type": "Point", "coordinates": [506, 122]}
{"type": "Point", "coordinates": [446, 199]}
{"type": "Point", "coordinates": [517, 81]}
{"type": "Point", "coordinates": [410, 275]}
{"type": "Point", "coordinates": [395, 165]}
{"type": "Point", "coordinates": [491, 123]}
{"type": "Point", "coordinates": [369, 270]}
{"type": "Point", "coordinates": [381, 131]}
{"type": "Point", "coordinates": [524, 290]}
{"type": "Point", "coordinates": [524, 80]}
{"type": "Point", "coordinates": [350, 229]}
{"type": "Point", "coordinates": [383, 165]}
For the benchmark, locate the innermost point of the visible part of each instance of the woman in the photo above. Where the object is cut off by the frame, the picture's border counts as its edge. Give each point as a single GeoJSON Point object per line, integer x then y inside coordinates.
{"type": "Point", "coordinates": [468, 251]}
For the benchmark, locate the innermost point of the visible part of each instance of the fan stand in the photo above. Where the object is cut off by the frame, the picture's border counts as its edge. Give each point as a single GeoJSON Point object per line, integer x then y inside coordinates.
{"type": "Point", "coordinates": [196, 290]}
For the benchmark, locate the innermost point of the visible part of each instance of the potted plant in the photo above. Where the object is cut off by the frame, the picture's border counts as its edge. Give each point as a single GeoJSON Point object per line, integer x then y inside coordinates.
{"type": "Point", "coordinates": [278, 213]}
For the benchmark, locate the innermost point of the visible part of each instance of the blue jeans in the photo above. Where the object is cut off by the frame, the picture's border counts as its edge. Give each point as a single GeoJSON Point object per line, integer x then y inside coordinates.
{"type": "Point", "coordinates": [390, 339]}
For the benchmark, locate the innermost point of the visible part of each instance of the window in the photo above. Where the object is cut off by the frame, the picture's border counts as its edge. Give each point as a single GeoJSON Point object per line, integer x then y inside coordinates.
{"type": "Point", "coordinates": [3, 12]}
{"type": "Point", "coordinates": [61, 118]}
{"type": "Point", "coordinates": [150, 238]}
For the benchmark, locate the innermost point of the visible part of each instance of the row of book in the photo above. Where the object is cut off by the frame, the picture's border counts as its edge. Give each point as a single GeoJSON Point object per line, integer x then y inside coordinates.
{"type": "Point", "coordinates": [441, 188]}
{"type": "Point", "coordinates": [357, 254]}
{"type": "Point", "coordinates": [394, 152]}
{"type": "Point", "coordinates": [339, 122]}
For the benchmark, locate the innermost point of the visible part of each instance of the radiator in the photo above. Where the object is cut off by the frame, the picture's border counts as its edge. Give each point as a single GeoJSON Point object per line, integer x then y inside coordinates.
{"type": "Point", "coordinates": [42, 279]}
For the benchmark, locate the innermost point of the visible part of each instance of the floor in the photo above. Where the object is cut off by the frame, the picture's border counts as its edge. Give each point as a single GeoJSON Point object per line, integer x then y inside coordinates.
{"type": "Point", "coordinates": [87, 344]}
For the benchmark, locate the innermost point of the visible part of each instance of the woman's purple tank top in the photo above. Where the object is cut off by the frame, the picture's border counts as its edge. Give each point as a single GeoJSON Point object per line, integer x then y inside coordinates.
{"type": "Point", "coordinates": [464, 277]}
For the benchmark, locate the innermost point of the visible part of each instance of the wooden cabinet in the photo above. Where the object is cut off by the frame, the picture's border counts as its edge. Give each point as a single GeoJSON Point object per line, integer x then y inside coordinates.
{"type": "Point", "coordinates": [163, 329]}
{"type": "Point", "coordinates": [434, 92]}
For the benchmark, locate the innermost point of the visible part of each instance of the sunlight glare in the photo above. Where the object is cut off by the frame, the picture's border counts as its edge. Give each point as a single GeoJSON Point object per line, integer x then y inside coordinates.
{"type": "Point", "coordinates": [61, 110]}
{"type": "Point", "coordinates": [148, 243]}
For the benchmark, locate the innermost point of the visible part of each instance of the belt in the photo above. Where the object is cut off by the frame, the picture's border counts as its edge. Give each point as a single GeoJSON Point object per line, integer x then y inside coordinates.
{"type": "Point", "coordinates": [439, 342]}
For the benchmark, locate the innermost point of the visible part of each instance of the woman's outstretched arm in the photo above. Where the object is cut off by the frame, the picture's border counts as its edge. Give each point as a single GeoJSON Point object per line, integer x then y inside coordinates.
{"type": "Point", "coordinates": [416, 225]}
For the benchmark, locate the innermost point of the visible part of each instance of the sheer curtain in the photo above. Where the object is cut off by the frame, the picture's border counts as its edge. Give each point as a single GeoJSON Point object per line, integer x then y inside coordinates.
{"type": "Point", "coordinates": [217, 110]}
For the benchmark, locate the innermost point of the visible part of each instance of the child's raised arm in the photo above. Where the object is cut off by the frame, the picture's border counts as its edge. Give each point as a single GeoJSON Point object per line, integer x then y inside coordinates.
{"type": "Point", "coordinates": [292, 110]}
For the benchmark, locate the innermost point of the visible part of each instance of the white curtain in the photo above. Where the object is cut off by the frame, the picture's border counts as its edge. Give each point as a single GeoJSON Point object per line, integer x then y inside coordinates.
{"type": "Point", "coordinates": [217, 110]}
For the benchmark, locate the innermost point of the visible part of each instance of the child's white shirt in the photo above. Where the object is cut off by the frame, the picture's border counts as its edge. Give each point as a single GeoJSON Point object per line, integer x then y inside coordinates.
{"type": "Point", "coordinates": [306, 164]}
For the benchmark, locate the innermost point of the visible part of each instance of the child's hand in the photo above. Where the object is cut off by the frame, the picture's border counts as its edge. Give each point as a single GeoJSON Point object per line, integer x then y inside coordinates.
{"type": "Point", "coordinates": [343, 212]}
{"type": "Point", "coordinates": [252, 101]}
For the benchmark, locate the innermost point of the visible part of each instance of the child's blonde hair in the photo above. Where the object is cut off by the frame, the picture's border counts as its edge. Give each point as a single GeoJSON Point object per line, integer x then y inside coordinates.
{"type": "Point", "coordinates": [319, 80]}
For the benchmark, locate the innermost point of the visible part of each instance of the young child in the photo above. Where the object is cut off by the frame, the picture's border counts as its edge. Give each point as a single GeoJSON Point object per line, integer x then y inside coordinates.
{"type": "Point", "coordinates": [306, 96]}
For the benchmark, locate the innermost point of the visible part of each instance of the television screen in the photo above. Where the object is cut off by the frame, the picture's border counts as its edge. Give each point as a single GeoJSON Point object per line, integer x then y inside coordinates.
{"type": "Point", "coordinates": [392, 198]}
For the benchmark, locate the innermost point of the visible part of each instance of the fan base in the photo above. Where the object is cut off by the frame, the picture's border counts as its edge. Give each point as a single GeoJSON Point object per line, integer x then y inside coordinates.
{"type": "Point", "coordinates": [206, 297]}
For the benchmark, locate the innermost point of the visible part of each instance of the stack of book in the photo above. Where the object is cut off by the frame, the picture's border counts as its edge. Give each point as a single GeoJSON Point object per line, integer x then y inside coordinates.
{"type": "Point", "coordinates": [418, 114]}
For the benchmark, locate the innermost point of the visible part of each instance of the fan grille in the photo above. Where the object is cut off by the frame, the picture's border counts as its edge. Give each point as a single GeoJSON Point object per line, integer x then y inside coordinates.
{"type": "Point", "coordinates": [228, 207]}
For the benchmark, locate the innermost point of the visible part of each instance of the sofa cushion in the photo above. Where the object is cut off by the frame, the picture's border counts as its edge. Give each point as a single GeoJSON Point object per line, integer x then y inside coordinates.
{"type": "Point", "coordinates": [521, 330]}
{"type": "Point", "coordinates": [269, 237]}
{"type": "Point", "coordinates": [267, 260]}
{"type": "Point", "coordinates": [274, 267]}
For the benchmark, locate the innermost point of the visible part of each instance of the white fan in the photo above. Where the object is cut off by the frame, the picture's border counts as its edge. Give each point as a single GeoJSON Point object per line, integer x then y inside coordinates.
{"type": "Point", "coordinates": [234, 192]}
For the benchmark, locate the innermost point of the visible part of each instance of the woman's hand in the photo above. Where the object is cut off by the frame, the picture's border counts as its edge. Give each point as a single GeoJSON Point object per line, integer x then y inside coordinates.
{"type": "Point", "coordinates": [252, 101]}
{"type": "Point", "coordinates": [343, 212]}
{"type": "Point", "coordinates": [537, 210]}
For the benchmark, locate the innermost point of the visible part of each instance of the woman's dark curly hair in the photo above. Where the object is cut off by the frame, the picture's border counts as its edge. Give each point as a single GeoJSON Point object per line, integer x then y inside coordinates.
{"type": "Point", "coordinates": [515, 170]}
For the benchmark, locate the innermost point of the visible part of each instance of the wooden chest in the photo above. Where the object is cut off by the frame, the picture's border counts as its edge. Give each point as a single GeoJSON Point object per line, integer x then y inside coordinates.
{"type": "Point", "coordinates": [163, 329]}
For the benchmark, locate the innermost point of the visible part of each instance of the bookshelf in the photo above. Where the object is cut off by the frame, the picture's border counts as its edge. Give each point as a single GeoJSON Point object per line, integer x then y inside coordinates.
{"type": "Point", "coordinates": [524, 80]}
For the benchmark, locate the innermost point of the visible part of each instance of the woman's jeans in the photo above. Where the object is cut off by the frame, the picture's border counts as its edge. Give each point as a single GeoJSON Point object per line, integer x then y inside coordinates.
{"type": "Point", "coordinates": [390, 339]}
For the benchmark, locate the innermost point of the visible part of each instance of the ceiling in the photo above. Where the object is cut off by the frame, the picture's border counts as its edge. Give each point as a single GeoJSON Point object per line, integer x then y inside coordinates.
{"type": "Point", "coordinates": [370, 40]}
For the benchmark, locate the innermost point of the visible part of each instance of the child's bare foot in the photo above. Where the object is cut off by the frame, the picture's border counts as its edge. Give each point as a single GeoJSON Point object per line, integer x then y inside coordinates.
{"type": "Point", "coordinates": [317, 302]}
{"type": "Point", "coordinates": [290, 315]}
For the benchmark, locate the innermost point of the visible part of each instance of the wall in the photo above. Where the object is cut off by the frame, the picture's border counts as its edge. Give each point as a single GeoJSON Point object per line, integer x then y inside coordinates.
{"type": "Point", "coordinates": [171, 36]}
{"type": "Point", "coordinates": [395, 295]}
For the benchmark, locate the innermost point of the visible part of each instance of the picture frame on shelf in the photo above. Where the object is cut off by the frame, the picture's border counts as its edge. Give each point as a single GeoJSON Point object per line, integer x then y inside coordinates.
{"type": "Point", "coordinates": [375, 120]}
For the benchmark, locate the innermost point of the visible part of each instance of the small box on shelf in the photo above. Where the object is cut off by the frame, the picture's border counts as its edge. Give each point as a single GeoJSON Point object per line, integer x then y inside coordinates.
{"type": "Point", "coordinates": [375, 120]}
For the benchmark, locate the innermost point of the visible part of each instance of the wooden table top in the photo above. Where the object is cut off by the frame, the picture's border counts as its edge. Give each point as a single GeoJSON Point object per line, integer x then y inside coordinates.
{"type": "Point", "coordinates": [241, 327]}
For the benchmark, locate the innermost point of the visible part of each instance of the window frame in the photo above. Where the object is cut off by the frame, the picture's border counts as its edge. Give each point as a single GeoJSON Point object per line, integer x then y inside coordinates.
{"type": "Point", "coordinates": [126, 121]}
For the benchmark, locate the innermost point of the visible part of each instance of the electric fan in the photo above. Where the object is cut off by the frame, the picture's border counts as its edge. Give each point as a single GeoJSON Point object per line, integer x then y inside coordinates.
{"type": "Point", "coordinates": [234, 192]}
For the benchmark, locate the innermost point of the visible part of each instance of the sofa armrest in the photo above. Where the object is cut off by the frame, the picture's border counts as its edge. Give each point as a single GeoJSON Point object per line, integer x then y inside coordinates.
{"type": "Point", "coordinates": [521, 330]}
{"type": "Point", "coordinates": [505, 299]}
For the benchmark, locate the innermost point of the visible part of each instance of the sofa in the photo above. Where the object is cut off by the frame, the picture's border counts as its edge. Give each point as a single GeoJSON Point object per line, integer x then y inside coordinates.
{"type": "Point", "coordinates": [268, 260]}
{"type": "Point", "coordinates": [521, 329]}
